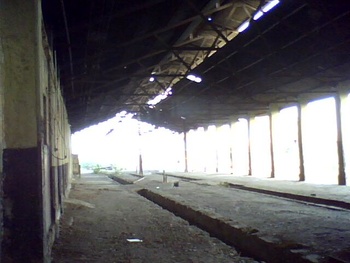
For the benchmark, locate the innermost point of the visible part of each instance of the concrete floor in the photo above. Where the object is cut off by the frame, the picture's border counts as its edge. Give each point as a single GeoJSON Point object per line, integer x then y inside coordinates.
{"type": "Point", "coordinates": [313, 222]}
{"type": "Point", "coordinates": [329, 192]}
{"type": "Point", "coordinates": [107, 222]}
{"type": "Point", "coordinates": [311, 225]}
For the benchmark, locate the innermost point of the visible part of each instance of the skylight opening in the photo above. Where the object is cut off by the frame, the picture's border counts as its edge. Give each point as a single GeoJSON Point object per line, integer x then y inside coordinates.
{"type": "Point", "coordinates": [243, 26]}
{"type": "Point", "coordinates": [258, 15]}
{"type": "Point", "coordinates": [266, 8]}
{"type": "Point", "coordinates": [194, 78]}
{"type": "Point", "coordinates": [160, 97]}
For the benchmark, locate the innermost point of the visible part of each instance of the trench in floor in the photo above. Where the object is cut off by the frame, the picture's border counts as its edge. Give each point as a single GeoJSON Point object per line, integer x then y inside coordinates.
{"type": "Point", "coordinates": [243, 240]}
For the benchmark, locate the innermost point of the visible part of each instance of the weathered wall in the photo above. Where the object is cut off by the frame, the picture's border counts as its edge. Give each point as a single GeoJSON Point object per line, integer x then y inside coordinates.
{"type": "Point", "coordinates": [55, 146]}
{"type": "Point", "coordinates": [35, 142]}
{"type": "Point", "coordinates": [21, 197]}
{"type": "Point", "coordinates": [19, 36]}
{"type": "Point", "coordinates": [54, 139]}
{"type": "Point", "coordinates": [2, 141]}
{"type": "Point", "coordinates": [76, 165]}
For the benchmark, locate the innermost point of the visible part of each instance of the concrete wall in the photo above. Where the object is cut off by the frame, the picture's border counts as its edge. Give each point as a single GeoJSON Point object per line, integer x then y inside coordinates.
{"type": "Point", "coordinates": [34, 135]}
{"type": "Point", "coordinates": [76, 165]}
{"type": "Point", "coordinates": [2, 140]}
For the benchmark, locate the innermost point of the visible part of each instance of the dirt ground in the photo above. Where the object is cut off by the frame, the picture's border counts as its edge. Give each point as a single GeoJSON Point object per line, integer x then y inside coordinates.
{"type": "Point", "coordinates": [316, 232]}
{"type": "Point", "coordinates": [107, 222]}
{"type": "Point", "coordinates": [319, 233]}
{"type": "Point", "coordinates": [101, 215]}
{"type": "Point", "coordinates": [321, 230]}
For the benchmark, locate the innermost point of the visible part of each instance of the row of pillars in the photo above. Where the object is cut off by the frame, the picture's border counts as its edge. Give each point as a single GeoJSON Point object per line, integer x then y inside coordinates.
{"type": "Point", "coordinates": [301, 106]}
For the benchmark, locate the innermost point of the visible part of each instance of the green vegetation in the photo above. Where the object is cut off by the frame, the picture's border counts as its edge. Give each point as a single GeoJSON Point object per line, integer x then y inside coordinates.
{"type": "Point", "coordinates": [88, 165]}
{"type": "Point", "coordinates": [97, 169]}
{"type": "Point", "coordinates": [102, 169]}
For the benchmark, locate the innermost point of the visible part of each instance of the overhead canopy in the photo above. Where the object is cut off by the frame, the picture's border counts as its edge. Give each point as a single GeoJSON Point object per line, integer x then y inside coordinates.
{"type": "Point", "coordinates": [116, 55]}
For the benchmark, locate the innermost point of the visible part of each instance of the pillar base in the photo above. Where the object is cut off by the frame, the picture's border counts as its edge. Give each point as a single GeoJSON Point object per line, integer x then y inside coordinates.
{"type": "Point", "coordinates": [22, 239]}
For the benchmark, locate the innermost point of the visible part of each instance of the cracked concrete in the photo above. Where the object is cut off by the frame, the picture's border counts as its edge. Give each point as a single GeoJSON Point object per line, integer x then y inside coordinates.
{"type": "Point", "coordinates": [100, 234]}
{"type": "Point", "coordinates": [319, 232]}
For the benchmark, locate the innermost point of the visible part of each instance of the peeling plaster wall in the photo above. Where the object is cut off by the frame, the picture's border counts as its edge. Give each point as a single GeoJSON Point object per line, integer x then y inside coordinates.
{"type": "Point", "coordinates": [57, 142]}
{"type": "Point", "coordinates": [54, 136]}
{"type": "Point", "coordinates": [34, 135]}
{"type": "Point", "coordinates": [21, 199]}
{"type": "Point", "coordinates": [2, 141]}
{"type": "Point", "coordinates": [20, 103]}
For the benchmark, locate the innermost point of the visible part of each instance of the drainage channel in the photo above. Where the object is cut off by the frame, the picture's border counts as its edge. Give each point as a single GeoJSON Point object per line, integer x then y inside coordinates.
{"type": "Point", "coordinates": [184, 178]}
{"type": "Point", "coordinates": [245, 241]}
{"type": "Point", "coordinates": [120, 180]}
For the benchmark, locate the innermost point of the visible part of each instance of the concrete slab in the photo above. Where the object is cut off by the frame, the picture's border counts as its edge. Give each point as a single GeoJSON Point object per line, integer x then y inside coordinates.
{"type": "Point", "coordinates": [101, 232]}
{"type": "Point", "coordinates": [321, 233]}
{"type": "Point", "coordinates": [334, 192]}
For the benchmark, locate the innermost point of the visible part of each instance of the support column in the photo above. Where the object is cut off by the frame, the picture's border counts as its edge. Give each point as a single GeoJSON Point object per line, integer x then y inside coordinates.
{"type": "Point", "coordinates": [301, 106]}
{"type": "Point", "coordinates": [140, 151]}
{"type": "Point", "coordinates": [274, 110]}
{"type": "Point", "coordinates": [21, 39]}
{"type": "Point", "coordinates": [216, 150]}
{"type": "Point", "coordinates": [339, 101]}
{"type": "Point", "coordinates": [250, 120]}
{"type": "Point", "coordinates": [231, 148]}
{"type": "Point", "coordinates": [140, 165]}
{"type": "Point", "coordinates": [185, 147]}
{"type": "Point", "coordinates": [2, 142]}
{"type": "Point", "coordinates": [205, 142]}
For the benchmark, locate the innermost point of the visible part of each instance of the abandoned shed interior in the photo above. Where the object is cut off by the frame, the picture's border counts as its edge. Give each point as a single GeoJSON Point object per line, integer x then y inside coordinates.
{"type": "Point", "coordinates": [178, 64]}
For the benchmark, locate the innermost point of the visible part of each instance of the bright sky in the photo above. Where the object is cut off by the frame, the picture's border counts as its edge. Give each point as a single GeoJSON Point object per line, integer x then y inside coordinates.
{"type": "Point", "coordinates": [117, 142]}
{"type": "Point", "coordinates": [108, 142]}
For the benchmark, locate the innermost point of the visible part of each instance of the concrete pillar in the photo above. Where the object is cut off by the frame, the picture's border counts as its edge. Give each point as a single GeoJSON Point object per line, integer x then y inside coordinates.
{"type": "Point", "coordinates": [301, 106]}
{"type": "Point", "coordinates": [2, 137]}
{"type": "Point", "coordinates": [21, 38]}
{"type": "Point", "coordinates": [231, 147]}
{"type": "Point", "coordinates": [250, 120]}
{"type": "Point", "coordinates": [185, 153]}
{"type": "Point", "coordinates": [216, 150]}
{"type": "Point", "coordinates": [140, 150]}
{"type": "Point", "coordinates": [140, 165]}
{"type": "Point", "coordinates": [339, 101]}
{"type": "Point", "coordinates": [274, 110]}
{"type": "Point", "coordinates": [205, 142]}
